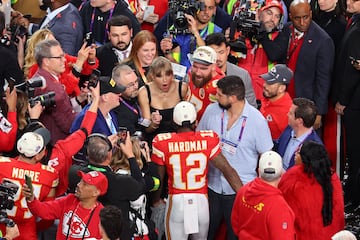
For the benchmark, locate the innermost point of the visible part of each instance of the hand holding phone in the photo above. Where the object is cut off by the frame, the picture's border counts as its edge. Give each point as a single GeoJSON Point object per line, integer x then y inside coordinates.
{"type": "Point", "coordinates": [29, 183]}
{"type": "Point", "coordinates": [148, 11]}
{"type": "Point", "coordinates": [122, 134]}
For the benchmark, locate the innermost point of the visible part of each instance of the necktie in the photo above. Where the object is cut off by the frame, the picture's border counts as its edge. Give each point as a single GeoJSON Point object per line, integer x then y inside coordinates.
{"type": "Point", "coordinates": [348, 25]}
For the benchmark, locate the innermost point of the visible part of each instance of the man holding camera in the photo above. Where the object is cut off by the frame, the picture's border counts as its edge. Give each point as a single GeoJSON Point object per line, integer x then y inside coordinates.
{"type": "Point", "coordinates": [259, 57]}
{"type": "Point", "coordinates": [180, 46]}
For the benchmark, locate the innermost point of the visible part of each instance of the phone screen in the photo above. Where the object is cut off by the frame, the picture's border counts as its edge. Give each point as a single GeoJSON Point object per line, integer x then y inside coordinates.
{"type": "Point", "coordinates": [122, 133]}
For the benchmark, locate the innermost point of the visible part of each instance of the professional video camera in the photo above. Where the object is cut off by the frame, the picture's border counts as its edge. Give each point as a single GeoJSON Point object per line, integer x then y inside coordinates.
{"type": "Point", "coordinates": [178, 9]}
{"type": "Point", "coordinates": [244, 22]}
{"type": "Point", "coordinates": [17, 30]}
{"type": "Point", "coordinates": [8, 190]}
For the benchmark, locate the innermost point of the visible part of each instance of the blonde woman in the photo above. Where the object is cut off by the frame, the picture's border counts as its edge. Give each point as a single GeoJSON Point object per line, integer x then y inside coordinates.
{"type": "Point", "coordinates": [120, 164]}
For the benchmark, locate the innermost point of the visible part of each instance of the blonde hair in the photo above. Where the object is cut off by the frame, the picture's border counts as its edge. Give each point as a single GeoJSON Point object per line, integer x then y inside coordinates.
{"type": "Point", "coordinates": [120, 161]}
{"type": "Point", "coordinates": [159, 65]}
{"type": "Point", "coordinates": [37, 37]}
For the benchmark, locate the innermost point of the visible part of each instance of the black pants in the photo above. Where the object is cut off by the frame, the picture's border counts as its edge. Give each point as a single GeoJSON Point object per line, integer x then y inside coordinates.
{"type": "Point", "coordinates": [220, 207]}
{"type": "Point", "coordinates": [352, 135]}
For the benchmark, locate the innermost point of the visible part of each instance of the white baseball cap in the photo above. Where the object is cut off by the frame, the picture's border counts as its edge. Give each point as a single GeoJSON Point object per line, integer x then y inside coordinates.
{"type": "Point", "coordinates": [184, 112]}
{"type": "Point", "coordinates": [270, 165]}
{"type": "Point", "coordinates": [205, 55]}
{"type": "Point", "coordinates": [31, 143]}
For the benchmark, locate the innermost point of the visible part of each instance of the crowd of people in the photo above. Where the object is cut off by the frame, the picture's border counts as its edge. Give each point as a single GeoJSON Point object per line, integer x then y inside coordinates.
{"type": "Point", "coordinates": [157, 119]}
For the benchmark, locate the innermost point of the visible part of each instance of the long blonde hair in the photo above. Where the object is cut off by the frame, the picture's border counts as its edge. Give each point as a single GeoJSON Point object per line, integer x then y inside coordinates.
{"type": "Point", "coordinates": [120, 161]}
{"type": "Point", "coordinates": [38, 36]}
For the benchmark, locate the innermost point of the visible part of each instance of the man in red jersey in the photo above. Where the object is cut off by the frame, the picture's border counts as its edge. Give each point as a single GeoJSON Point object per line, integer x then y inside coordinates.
{"type": "Point", "coordinates": [31, 147]}
{"type": "Point", "coordinates": [203, 77]}
{"type": "Point", "coordinates": [185, 156]}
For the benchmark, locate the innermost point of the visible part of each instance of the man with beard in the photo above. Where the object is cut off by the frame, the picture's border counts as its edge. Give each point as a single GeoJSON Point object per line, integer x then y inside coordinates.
{"type": "Point", "coordinates": [260, 55]}
{"type": "Point", "coordinates": [276, 102]}
{"type": "Point", "coordinates": [244, 135]}
{"type": "Point", "coordinates": [203, 77]}
{"type": "Point", "coordinates": [179, 47]}
{"type": "Point", "coordinates": [119, 47]}
{"type": "Point", "coordinates": [78, 213]}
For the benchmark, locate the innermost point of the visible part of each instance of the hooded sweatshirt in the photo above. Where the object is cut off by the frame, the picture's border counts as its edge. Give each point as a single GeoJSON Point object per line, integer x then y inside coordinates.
{"type": "Point", "coordinates": [260, 212]}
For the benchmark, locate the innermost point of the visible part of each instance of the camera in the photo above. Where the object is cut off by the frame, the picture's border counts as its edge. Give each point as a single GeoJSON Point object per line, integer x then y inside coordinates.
{"type": "Point", "coordinates": [29, 85]}
{"type": "Point", "coordinates": [8, 190]}
{"type": "Point", "coordinates": [46, 100]}
{"type": "Point", "coordinates": [178, 9]}
{"type": "Point", "coordinates": [17, 30]}
{"type": "Point", "coordinates": [94, 78]}
{"type": "Point", "coordinates": [122, 133]}
{"type": "Point", "coordinates": [244, 22]}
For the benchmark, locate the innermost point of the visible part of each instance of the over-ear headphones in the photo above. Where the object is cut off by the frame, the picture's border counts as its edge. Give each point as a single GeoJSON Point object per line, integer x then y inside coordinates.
{"type": "Point", "coordinates": [102, 136]}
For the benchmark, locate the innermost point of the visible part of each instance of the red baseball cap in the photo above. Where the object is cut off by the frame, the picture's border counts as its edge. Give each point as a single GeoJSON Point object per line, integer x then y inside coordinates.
{"type": "Point", "coordinates": [96, 179]}
{"type": "Point", "coordinates": [273, 3]}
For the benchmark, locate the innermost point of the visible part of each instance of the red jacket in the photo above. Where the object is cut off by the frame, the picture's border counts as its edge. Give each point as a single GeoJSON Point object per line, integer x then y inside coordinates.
{"type": "Point", "coordinates": [305, 197]}
{"type": "Point", "coordinates": [257, 63]}
{"type": "Point", "coordinates": [67, 78]}
{"type": "Point", "coordinates": [8, 139]}
{"type": "Point", "coordinates": [63, 150]}
{"type": "Point", "coordinates": [261, 212]}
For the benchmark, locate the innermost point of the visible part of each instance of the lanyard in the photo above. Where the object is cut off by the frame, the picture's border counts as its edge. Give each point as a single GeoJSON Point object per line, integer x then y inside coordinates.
{"type": "Point", "coordinates": [242, 126]}
{"type": "Point", "coordinates": [129, 106]}
{"type": "Point", "coordinates": [107, 22]}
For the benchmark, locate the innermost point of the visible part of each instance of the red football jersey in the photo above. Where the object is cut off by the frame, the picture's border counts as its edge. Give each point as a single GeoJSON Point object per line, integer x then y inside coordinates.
{"type": "Point", "coordinates": [43, 179]}
{"type": "Point", "coordinates": [202, 97]}
{"type": "Point", "coordinates": [185, 156]}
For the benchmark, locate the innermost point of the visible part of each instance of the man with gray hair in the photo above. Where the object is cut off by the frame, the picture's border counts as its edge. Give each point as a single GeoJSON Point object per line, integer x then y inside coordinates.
{"type": "Point", "coordinates": [51, 60]}
{"type": "Point", "coordinates": [260, 210]}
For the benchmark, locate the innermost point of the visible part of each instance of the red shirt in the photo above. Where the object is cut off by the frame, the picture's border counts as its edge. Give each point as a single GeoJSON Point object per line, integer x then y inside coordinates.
{"type": "Point", "coordinates": [202, 97]}
{"type": "Point", "coordinates": [84, 223]}
{"type": "Point", "coordinates": [44, 178]}
{"type": "Point", "coordinates": [275, 114]}
{"type": "Point", "coordinates": [185, 156]}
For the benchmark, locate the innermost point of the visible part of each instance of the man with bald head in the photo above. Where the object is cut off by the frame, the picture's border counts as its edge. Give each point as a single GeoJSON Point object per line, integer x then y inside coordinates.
{"type": "Point", "coordinates": [310, 55]}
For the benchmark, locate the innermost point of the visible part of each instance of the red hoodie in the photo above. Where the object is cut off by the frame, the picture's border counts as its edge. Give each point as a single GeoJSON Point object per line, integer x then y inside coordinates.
{"type": "Point", "coordinates": [261, 212]}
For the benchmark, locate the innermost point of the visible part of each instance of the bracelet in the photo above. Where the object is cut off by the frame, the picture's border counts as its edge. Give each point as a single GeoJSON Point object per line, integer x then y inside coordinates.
{"type": "Point", "coordinates": [91, 62]}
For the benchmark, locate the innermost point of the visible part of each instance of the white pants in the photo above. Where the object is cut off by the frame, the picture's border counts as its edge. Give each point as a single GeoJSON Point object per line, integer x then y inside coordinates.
{"type": "Point", "coordinates": [187, 214]}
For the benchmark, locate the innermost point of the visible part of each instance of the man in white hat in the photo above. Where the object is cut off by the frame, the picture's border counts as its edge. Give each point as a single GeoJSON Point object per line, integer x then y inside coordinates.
{"type": "Point", "coordinates": [203, 77]}
{"type": "Point", "coordinates": [32, 148]}
{"type": "Point", "coordinates": [185, 156]}
{"type": "Point", "coordinates": [260, 210]}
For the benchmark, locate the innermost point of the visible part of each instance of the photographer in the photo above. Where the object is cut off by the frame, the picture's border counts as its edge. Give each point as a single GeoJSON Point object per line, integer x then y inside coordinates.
{"type": "Point", "coordinates": [9, 65]}
{"type": "Point", "coordinates": [178, 46]}
{"type": "Point", "coordinates": [259, 57]}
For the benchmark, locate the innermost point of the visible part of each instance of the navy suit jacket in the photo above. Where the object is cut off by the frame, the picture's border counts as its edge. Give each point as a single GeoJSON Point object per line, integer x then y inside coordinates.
{"type": "Point", "coordinates": [314, 65]}
{"type": "Point", "coordinates": [285, 138]}
{"type": "Point", "coordinates": [67, 28]}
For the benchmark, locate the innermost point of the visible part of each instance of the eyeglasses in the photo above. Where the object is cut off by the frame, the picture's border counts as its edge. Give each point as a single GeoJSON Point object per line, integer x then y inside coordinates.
{"type": "Point", "coordinates": [62, 56]}
{"type": "Point", "coordinates": [133, 84]}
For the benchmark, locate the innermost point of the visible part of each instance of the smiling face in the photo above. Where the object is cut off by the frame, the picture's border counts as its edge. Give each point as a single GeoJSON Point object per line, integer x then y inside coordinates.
{"type": "Point", "coordinates": [146, 53]}
{"type": "Point", "coordinates": [201, 73]}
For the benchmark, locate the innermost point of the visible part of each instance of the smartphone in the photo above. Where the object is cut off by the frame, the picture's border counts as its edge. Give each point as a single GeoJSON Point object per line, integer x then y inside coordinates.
{"type": "Point", "coordinates": [148, 11]}
{"type": "Point", "coordinates": [94, 78]}
{"type": "Point", "coordinates": [29, 183]}
{"type": "Point", "coordinates": [122, 133]}
{"type": "Point", "coordinates": [89, 39]}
